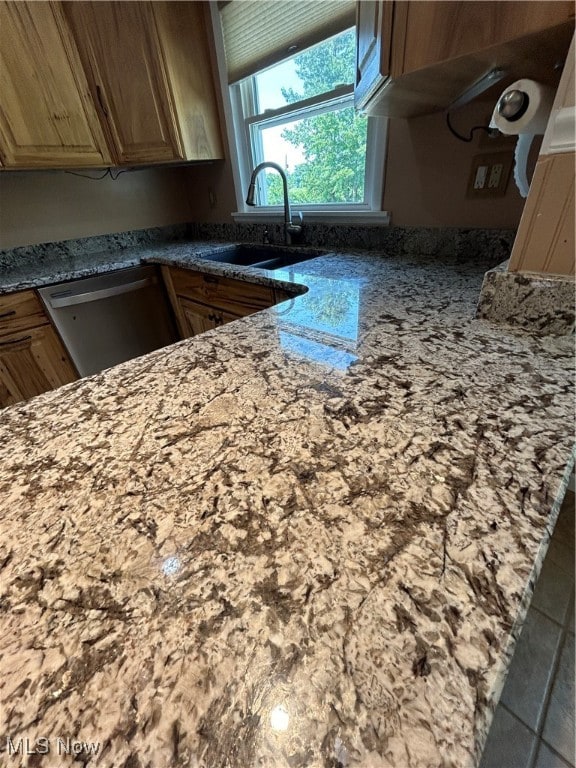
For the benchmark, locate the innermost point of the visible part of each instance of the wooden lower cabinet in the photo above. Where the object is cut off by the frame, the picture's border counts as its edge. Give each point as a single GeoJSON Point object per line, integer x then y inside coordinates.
{"type": "Point", "coordinates": [203, 301]}
{"type": "Point", "coordinates": [19, 311]}
{"type": "Point", "coordinates": [31, 362]}
{"type": "Point", "coordinates": [32, 357]}
{"type": "Point", "coordinates": [198, 318]}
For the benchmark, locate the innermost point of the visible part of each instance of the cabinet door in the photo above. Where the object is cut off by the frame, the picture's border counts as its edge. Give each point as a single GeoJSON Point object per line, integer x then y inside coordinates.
{"type": "Point", "coordinates": [374, 39]}
{"type": "Point", "coordinates": [47, 118]}
{"type": "Point", "coordinates": [120, 48]}
{"type": "Point", "coordinates": [416, 57]}
{"type": "Point", "coordinates": [203, 301]}
{"type": "Point", "coordinates": [237, 297]}
{"type": "Point", "coordinates": [197, 318]}
{"type": "Point", "coordinates": [438, 31]}
{"type": "Point", "coordinates": [184, 33]}
{"type": "Point", "coordinates": [31, 362]}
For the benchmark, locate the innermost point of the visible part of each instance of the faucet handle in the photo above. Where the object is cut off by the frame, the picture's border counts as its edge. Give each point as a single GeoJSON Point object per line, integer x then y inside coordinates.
{"type": "Point", "coordinates": [295, 224]}
{"type": "Point", "coordinates": [293, 229]}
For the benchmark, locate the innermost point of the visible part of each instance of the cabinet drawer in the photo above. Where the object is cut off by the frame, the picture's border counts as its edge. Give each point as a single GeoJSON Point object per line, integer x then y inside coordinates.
{"type": "Point", "coordinates": [235, 296]}
{"type": "Point", "coordinates": [19, 311]}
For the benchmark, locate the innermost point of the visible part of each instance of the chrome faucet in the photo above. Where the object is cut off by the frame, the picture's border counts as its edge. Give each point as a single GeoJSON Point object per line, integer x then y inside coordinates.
{"type": "Point", "coordinates": [289, 228]}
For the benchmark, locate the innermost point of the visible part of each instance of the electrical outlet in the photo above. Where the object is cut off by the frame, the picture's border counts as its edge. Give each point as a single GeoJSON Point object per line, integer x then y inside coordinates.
{"type": "Point", "coordinates": [489, 175]}
{"type": "Point", "coordinates": [495, 175]}
{"type": "Point", "coordinates": [480, 180]}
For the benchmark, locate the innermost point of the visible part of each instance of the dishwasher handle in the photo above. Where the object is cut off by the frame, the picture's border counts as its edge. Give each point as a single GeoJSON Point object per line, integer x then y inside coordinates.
{"type": "Point", "coordinates": [69, 299]}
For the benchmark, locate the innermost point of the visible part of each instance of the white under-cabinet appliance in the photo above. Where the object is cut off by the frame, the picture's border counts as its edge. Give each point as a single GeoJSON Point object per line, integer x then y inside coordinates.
{"type": "Point", "coordinates": [107, 319]}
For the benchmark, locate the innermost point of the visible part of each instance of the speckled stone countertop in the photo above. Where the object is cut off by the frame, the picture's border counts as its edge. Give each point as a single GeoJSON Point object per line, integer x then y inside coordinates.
{"type": "Point", "coordinates": [53, 266]}
{"type": "Point", "coordinates": [307, 538]}
{"type": "Point", "coordinates": [535, 302]}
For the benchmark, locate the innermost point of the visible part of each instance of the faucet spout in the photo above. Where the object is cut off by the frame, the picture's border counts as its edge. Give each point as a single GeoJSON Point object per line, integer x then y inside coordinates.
{"type": "Point", "coordinates": [289, 228]}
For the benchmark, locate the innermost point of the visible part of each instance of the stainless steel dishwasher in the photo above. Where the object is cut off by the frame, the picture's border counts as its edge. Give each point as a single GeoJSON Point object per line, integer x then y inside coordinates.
{"type": "Point", "coordinates": [110, 318]}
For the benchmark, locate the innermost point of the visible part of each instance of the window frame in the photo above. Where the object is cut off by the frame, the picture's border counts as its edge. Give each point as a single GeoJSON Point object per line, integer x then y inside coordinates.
{"type": "Point", "coordinates": [240, 97]}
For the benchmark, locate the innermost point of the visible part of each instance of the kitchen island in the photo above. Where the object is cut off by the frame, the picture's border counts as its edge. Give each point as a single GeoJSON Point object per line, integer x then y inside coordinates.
{"type": "Point", "coordinates": [308, 538]}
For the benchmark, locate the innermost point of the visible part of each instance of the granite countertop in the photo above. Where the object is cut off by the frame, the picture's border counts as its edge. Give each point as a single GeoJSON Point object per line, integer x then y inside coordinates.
{"type": "Point", "coordinates": [51, 265]}
{"type": "Point", "coordinates": [307, 538]}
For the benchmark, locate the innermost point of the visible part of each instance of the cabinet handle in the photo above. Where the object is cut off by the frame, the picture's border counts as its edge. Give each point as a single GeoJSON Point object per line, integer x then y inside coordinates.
{"type": "Point", "coordinates": [8, 314]}
{"type": "Point", "coordinates": [210, 279]}
{"type": "Point", "coordinates": [101, 100]}
{"type": "Point", "coordinates": [215, 318]}
{"type": "Point", "coordinates": [15, 341]}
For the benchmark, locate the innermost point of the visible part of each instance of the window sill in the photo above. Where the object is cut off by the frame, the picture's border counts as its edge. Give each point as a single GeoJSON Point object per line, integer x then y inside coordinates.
{"type": "Point", "coordinates": [375, 218]}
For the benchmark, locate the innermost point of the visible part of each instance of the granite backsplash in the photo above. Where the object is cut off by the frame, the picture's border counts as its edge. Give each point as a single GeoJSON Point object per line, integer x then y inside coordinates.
{"type": "Point", "coordinates": [542, 304]}
{"type": "Point", "coordinates": [399, 240]}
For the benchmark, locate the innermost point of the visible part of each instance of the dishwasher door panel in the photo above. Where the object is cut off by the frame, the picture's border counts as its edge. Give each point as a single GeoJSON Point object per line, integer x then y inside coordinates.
{"type": "Point", "coordinates": [108, 319]}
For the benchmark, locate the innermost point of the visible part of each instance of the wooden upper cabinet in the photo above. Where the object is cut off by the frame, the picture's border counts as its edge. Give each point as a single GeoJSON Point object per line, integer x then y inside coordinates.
{"type": "Point", "coordinates": [431, 52]}
{"type": "Point", "coordinates": [374, 37]}
{"type": "Point", "coordinates": [47, 118]}
{"type": "Point", "coordinates": [121, 52]}
{"type": "Point", "coordinates": [442, 30]}
{"type": "Point", "coordinates": [149, 72]}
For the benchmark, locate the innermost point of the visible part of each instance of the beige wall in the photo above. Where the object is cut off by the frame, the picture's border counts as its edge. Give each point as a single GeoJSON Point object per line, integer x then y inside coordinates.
{"type": "Point", "coordinates": [211, 192]}
{"type": "Point", "coordinates": [45, 206]}
{"type": "Point", "coordinates": [426, 176]}
{"type": "Point", "coordinates": [427, 172]}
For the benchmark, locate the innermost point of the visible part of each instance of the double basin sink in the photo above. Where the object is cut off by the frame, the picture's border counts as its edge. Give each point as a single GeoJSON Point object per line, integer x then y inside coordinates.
{"type": "Point", "coordinates": [263, 256]}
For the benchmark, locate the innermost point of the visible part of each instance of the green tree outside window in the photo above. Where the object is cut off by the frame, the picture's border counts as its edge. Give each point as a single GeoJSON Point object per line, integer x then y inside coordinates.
{"type": "Point", "coordinates": [334, 143]}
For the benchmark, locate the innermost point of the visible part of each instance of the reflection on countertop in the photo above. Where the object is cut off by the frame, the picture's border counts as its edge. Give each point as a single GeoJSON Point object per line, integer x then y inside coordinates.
{"type": "Point", "coordinates": [322, 324]}
{"type": "Point", "coordinates": [305, 539]}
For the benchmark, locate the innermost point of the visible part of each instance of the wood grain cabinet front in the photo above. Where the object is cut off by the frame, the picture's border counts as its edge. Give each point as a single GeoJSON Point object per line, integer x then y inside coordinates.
{"type": "Point", "coordinates": [149, 73]}
{"type": "Point", "coordinates": [47, 117]}
{"type": "Point", "coordinates": [32, 357]}
{"type": "Point", "coordinates": [203, 301]}
{"type": "Point", "coordinates": [416, 57]}
{"type": "Point", "coordinates": [198, 318]}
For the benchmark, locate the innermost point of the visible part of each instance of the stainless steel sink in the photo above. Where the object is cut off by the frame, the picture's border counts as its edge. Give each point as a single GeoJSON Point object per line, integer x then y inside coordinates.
{"type": "Point", "coordinates": [263, 256]}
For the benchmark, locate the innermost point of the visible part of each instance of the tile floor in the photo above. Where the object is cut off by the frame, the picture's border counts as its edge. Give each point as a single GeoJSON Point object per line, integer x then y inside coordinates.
{"type": "Point", "coordinates": [533, 726]}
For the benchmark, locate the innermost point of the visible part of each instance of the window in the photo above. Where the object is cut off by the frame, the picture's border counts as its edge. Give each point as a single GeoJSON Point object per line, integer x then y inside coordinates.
{"type": "Point", "coordinates": [299, 113]}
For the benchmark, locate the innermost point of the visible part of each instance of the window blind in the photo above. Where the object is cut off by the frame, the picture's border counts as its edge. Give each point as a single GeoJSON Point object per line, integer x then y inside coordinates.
{"type": "Point", "coordinates": [259, 33]}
